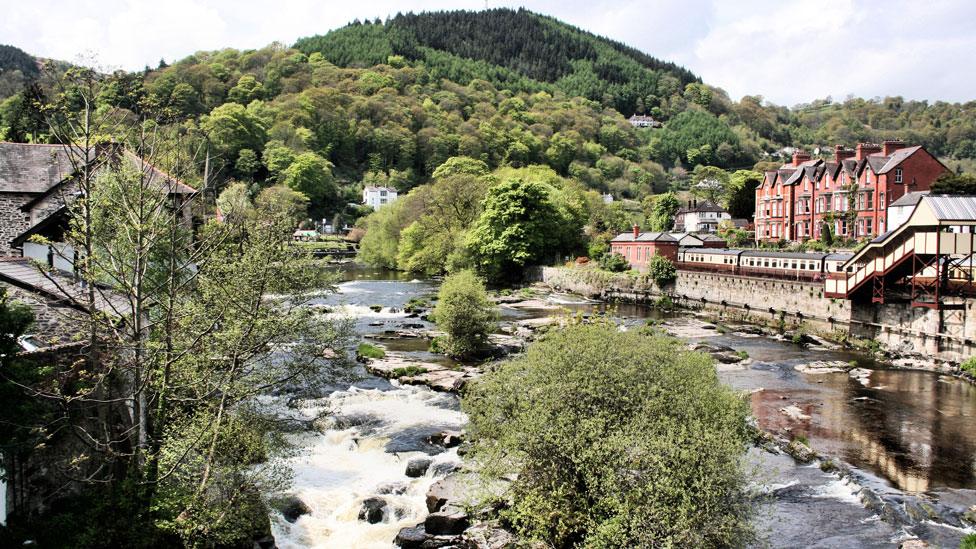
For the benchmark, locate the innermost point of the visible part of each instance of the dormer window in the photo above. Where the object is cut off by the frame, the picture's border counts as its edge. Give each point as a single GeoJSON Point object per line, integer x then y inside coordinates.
{"type": "Point", "coordinates": [867, 176]}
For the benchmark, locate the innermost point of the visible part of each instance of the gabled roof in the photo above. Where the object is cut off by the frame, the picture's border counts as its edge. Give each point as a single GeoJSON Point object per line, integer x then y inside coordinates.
{"type": "Point", "coordinates": [703, 206]}
{"type": "Point", "coordinates": [21, 272]}
{"type": "Point", "coordinates": [645, 237]}
{"type": "Point", "coordinates": [32, 168]}
{"type": "Point", "coordinates": [910, 199]}
{"type": "Point", "coordinates": [897, 158]}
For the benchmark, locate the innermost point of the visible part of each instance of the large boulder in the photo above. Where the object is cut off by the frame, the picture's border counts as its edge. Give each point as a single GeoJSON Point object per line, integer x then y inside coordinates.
{"type": "Point", "coordinates": [449, 521]}
{"type": "Point", "coordinates": [445, 468]}
{"type": "Point", "coordinates": [394, 488]}
{"type": "Point", "coordinates": [372, 510]}
{"type": "Point", "coordinates": [417, 467]}
{"type": "Point", "coordinates": [488, 535]}
{"type": "Point", "coordinates": [800, 451]}
{"type": "Point", "coordinates": [290, 507]}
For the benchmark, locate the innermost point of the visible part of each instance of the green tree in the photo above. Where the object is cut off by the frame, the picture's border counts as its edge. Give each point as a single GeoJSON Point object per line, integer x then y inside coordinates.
{"type": "Point", "coordinates": [710, 183]}
{"type": "Point", "coordinates": [311, 175]}
{"type": "Point", "coordinates": [660, 211]}
{"type": "Point", "coordinates": [520, 226]}
{"type": "Point", "coordinates": [661, 270]}
{"type": "Point", "coordinates": [957, 184]}
{"type": "Point", "coordinates": [247, 89]}
{"type": "Point", "coordinates": [464, 313]}
{"type": "Point", "coordinates": [231, 127]}
{"type": "Point", "coordinates": [615, 439]}
{"type": "Point", "coordinates": [741, 193]}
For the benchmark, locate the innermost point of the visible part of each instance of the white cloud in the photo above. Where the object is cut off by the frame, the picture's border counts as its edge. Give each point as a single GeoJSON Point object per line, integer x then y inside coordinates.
{"type": "Point", "coordinates": [789, 51]}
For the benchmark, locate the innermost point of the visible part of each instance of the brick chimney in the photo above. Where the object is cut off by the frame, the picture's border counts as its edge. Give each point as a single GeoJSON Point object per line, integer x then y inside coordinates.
{"type": "Point", "coordinates": [891, 145]}
{"type": "Point", "coordinates": [636, 230]}
{"type": "Point", "coordinates": [864, 149]}
{"type": "Point", "coordinates": [799, 157]}
{"type": "Point", "coordinates": [841, 153]}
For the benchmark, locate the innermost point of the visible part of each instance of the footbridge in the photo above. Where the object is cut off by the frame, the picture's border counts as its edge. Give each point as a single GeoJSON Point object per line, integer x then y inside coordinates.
{"type": "Point", "coordinates": [926, 260]}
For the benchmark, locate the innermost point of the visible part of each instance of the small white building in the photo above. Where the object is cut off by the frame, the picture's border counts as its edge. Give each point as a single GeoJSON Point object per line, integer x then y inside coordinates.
{"type": "Point", "coordinates": [700, 218]}
{"type": "Point", "coordinates": [607, 198]}
{"type": "Point", "coordinates": [899, 210]}
{"type": "Point", "coordinates": [641, 121]}
{"type": "Point", "coordinates": [377, 197]}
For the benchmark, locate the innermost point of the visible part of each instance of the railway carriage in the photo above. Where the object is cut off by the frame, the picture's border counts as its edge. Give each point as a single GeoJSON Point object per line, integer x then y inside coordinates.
{"type": "Point", "coordinates": [762, 263]}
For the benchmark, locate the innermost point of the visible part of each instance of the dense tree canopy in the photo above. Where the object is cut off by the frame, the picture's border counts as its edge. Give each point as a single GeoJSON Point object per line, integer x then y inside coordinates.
{"type": "Point", "coordinates": [617, 439]}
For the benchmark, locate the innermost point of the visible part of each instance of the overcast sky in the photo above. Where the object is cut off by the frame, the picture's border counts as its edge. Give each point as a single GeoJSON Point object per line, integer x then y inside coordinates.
{"type": "Point", "coordinates": [789, 51]}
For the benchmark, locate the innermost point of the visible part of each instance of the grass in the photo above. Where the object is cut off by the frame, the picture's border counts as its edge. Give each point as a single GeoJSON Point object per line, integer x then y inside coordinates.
{"type": "Point", "coordinates": [366, 350]}
{"type": "Point", "coordinates": [409, 371]}
{"type": "Point", "coordinates": [742, 354]}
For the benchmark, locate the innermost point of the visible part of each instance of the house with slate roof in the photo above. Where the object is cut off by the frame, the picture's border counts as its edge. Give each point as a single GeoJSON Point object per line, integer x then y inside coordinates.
{"type": "Point", "coordinates": [796, 200]}
{"type": "Point", "coordinates": [700, 218]}
{"type": "Point", "coordinates": [638, 247]}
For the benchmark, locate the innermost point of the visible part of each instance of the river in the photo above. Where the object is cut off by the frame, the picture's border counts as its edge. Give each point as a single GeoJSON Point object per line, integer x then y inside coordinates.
{"type": "Point", "coordinates": [905, 434]}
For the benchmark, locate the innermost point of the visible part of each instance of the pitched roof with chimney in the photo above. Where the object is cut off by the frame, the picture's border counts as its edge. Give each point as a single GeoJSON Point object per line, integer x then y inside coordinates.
{"type": "Point", "coordinates": [703, 206]}
{"type": "Point", "coordinates": [644, 237]}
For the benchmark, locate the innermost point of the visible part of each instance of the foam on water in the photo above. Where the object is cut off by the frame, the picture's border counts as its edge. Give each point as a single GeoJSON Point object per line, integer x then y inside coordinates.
{"type": "Point", "coordinates": [841, 490]}
{"type": "Point", "coordinates": [343, 467]}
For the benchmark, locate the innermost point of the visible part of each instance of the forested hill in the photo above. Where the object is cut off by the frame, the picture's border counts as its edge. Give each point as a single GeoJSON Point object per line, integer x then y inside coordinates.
{"type": "Point", "coordinates": [517, 50]}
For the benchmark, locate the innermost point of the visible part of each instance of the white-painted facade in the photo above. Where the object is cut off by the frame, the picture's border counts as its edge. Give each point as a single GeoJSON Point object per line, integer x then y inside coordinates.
{"type": "Point", "coordinates": [377, 197]}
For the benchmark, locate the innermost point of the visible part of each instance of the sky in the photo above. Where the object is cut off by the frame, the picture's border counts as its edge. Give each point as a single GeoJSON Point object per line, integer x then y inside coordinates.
{"type": "Point", "coordinates": [788, 51]}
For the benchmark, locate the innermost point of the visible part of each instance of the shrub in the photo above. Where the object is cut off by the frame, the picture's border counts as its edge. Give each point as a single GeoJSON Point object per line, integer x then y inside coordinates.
{"type": "Point", "coordinates": [615, 263]}
{"type": "Point", "coordinates": [661, 270]}
{"type": "Point", "coordinates": [464, 312]}
{"type": "Point", "coordinates": [617, 439]}
{"type": "Point", "coordinates": [408, 371]}
{"type": "Point", "coordinates": [969, 366]}
{"type": "Point", "coordinates": [968, 542]}
{"type": "Point", "coordinates": [742, 354]}
{"type": "Point", "coordinates": [365, 350]}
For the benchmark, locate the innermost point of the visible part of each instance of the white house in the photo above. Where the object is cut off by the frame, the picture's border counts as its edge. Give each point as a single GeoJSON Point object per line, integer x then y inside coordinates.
{"type": "Point", "coordinates": [899, 210]}
{"type": "Point", "coordinates": [700, 218]}
{"type": "Point", "coordinates": [377, 197]}
{"type": "Point", "coordinates": [641, 121]}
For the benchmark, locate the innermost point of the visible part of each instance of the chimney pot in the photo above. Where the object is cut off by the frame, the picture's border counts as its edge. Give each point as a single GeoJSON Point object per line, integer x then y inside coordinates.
{"type": "Point", "coordinates": [636, 230]}
{"type": "Point", "coordinates": [889, 146]}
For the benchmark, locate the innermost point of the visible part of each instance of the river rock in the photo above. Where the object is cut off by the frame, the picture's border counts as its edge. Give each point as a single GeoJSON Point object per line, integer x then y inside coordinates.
{"type": "Point", "coordinates": [372, 510]}
{"type": "Point", "coordinates": [862, 375]}
{"type": "Point", "coordinates": [290, 507]}
{"type": "Point", "coordinates": [488, 535]}
{"type": "Point", "coordinates": [447, 439]}
{"type": "Point", "coordinates": [442, 491]}
{"type": "Point", "coordinates": [265, 542]}
{"type": "Point", "coordinates": [794, 412]}
{"type": "Point", "coordinates": [823, 367]}
{"type": "Point", "coordinates": [417, 467]}
{"type": "Point", "coordinates": [800, 451]}
{"type": "Point", "coordinates": [393, 488]}
{"type": "Point", "coordinates": [913, 544]}
{"type": "Point", "coordinates": [449, 521]}
{"type": "Point", "coordinates": [445, 468]}
{"type": "Point", "coordinates": [411, 538]}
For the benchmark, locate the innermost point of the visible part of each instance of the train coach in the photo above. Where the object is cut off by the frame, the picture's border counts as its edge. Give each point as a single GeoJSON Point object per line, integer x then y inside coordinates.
{"type": "Point", "coordinates": [813, 266]}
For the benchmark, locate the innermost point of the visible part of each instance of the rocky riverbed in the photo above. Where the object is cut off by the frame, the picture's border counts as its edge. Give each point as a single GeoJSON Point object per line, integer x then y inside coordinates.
{"type": "Point", "coordinates": [854, 454]}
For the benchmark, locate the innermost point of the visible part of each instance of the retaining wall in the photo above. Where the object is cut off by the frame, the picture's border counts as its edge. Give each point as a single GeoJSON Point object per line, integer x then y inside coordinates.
{"type": "Point", "coordinates": [947, 334]}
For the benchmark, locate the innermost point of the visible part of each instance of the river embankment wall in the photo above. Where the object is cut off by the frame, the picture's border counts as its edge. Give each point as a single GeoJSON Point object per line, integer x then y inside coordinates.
{"type": "Point", "coordinates": [946, 334]}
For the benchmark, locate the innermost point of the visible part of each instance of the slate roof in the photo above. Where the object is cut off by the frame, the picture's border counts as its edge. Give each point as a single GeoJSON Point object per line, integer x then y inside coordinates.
{"type": "Point", "coordinates": [20, 272]}
{"type": "Point", "coordinates": [645, 237]}
{"type": "Point", "coordinates": [32, 168]}
{"type": "Point", "coordinates": [910, 199]}
{"type": "Point", "coordinates": [703, 206]}
{"type": "Point", "coordinates": [897, 158]}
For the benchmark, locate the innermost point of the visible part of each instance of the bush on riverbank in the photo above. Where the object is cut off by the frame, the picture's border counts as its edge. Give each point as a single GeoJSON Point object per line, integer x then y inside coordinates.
{"type": "Point", "coordinates": [366, 350]}
{"type": "Point", "coordinates": [464, 312]}
{"type": "Point", "coordinates": [618, 439]}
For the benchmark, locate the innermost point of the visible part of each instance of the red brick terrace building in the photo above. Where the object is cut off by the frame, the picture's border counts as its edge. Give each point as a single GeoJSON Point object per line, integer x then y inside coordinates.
{"type": "Point", "coordinates": [793, 201]}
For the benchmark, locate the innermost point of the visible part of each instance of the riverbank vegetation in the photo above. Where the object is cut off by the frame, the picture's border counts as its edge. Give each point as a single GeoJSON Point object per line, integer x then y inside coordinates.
{"type": "Point", "coordinates": [616, 439]}
{"type": "Point", "coordinates": [465, 313]}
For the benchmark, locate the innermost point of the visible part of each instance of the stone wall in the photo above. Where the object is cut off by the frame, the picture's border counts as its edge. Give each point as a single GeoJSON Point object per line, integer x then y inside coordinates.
{"type": "Point", "coordinates": [54, 323]}
{"type": "Point", "coordinates": [13, 221]}
{"type": "Point", "coordinates": [948, 334]}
